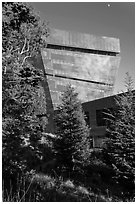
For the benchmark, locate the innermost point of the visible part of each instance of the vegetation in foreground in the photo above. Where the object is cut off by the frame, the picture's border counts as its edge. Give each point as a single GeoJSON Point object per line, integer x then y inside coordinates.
{"type": "Point", "coordinates": [95, 181]}
{"type": "Point", "coordinates": [43, 167]}
{"type": "Point", "coordinates": [120, 151]}
{"type": "Point", "coordinates": [44, 188]}
{"type": "Point", "coordinates": [73, 144]}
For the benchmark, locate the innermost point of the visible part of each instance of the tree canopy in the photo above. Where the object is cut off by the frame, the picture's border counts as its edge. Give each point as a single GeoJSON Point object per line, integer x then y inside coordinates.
{"type": "Point", "coordinates": [120, 150]}
{"type": "Point", "coordinates": [73, 145]}
{"type": "Point", "coordinates": [23, 36]}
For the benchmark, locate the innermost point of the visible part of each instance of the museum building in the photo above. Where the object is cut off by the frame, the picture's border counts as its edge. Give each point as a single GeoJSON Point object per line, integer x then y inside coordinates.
{"type": "Point", "coordinates": [89, 63]}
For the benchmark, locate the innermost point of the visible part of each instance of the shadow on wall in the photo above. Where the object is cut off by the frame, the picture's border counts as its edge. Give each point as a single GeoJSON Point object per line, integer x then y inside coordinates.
{"type": "Point", "coordinates": [38, 63]}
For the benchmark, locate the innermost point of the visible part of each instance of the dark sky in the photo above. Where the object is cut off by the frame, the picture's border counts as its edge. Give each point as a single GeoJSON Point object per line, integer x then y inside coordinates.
{"type": "Point", "coordinates": [116, 19]}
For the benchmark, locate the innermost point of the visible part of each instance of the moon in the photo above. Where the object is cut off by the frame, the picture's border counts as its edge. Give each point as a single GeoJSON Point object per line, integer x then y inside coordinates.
{"type": "Point", "coordinates": [108, 5]}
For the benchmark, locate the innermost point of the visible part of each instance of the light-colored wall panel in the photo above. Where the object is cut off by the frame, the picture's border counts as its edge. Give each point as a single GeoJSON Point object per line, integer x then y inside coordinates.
{"type": "Point", "coordinates": [82, 40]}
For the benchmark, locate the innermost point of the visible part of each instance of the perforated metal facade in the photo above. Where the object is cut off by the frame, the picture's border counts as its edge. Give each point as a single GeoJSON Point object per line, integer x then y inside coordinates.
{"type": "Point", "coordinates": [87, 62]}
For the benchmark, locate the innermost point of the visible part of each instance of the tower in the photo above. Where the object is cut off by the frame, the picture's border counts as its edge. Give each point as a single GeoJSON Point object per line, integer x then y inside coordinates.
{"type": "Point", "coordinates": [87, 62]}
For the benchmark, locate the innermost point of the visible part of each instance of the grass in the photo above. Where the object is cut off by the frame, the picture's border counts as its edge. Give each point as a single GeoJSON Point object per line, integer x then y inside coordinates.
{"type": "Point", "coordinates": [94, 185]}
{"type": "Point", "coordinates": [46, 188]}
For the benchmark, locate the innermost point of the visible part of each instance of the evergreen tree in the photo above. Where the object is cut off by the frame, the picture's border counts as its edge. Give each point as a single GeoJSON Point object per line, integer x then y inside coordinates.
{"type": "Point", "coordinates": [22, 39]}
{"type": "Point", "coordinates": [73, 143]}
{"type": "Point", "coordinates": [120, 149]}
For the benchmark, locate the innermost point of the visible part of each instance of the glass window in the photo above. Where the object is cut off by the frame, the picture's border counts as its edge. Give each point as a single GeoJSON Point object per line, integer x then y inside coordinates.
{"type": "Point", "coordinates": [87, 119]}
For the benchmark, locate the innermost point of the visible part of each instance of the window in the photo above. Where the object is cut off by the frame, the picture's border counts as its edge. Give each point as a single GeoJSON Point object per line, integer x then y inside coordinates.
{"type": "Point", "coordinates": [87, 119]}
{"type": "Point", "coordinates": [78, 49]}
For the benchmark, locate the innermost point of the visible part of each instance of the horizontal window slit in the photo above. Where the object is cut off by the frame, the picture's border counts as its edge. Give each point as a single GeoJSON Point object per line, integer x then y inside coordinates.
{"type": "Point", "coordinates": [77, 79]}
{"type": "Point", "coordinates": [84, 50]}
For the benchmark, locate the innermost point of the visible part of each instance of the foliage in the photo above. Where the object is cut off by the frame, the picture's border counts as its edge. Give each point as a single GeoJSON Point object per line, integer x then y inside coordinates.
{"type": "Point", "coordinates": [120, 150]}
{"type": "Point", "coordinates": [22, 38]}
{"type": "Point", "coordinates": [44, 188]}
{"type": "Point", "coordinates": [73, 142]}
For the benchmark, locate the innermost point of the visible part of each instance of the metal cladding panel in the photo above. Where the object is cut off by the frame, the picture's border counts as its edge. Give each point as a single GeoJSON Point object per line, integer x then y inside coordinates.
{"type": "Point", "coordinates": [81, 40]}
{"type": "Point", "coordinates": [87, 92]}
{"type": "Point", "coordinates": [68, 67]}
{"type": "Point", "coordinates": [83, 66]}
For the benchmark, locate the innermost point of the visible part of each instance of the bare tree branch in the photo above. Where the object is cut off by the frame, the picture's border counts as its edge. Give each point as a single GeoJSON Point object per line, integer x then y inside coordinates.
{"type": "Point", "coordinates": [28, 47]}
{"type": "Point", "coordinates": [15, 49]}
{"type": "Point", "coordinates": [24, 46]}
{"type": "Point", "coordinates": [25, 59]}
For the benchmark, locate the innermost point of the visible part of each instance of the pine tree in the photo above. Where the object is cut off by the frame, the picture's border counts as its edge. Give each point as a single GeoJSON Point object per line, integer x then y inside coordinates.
{"type": "Point", "coordinates": [120, 149]}
{"type": "Point", "coordinates": [73, 145]}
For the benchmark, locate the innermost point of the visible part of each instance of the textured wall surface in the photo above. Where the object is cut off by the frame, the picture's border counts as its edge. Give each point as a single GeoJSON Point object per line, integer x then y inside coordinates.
{"type": "Point", "coordinates": [92, 74]}
{"type": "Point", "coordinates": [98, 132]}
{"type": "Point", "coordinates": [61, 37]}
{"type": "Point", "coordinates": [77, 67]}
